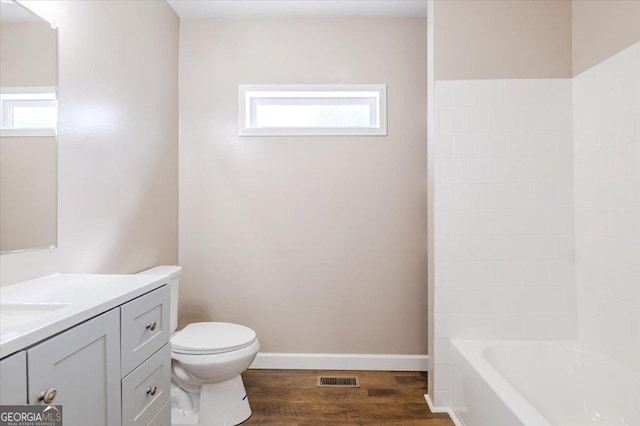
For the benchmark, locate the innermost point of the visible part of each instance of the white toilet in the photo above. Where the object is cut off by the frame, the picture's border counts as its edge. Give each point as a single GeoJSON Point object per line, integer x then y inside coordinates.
{"type": "Point", "coordinates": [207, 359]}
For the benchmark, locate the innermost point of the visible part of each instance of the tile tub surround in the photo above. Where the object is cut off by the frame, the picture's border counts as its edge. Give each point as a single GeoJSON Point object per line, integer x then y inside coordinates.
{"type": "Point", "coordinates": [503, 214]}
{"type": "Point", "coordinates": [606, 123]}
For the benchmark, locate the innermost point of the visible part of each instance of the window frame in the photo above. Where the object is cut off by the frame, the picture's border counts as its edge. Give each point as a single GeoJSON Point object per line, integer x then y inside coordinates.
{"type": "Point", "coordinates": [245, 118]}
{"type": "Point", "coordinates": [14, 96]}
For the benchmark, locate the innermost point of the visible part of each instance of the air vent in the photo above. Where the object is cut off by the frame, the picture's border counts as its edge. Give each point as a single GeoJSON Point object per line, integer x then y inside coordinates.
{"type": "Point", "coordinates": [338, 382]}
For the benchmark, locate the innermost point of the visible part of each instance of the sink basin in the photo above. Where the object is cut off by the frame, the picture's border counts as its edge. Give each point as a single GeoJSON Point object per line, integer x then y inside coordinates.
{"type": "Point", "coordinates": [12, 315]}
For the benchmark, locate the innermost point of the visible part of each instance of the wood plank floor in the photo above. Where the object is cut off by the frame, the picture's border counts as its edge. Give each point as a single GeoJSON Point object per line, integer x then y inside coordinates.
{"type": "Point", "coordinates": [290, 397]}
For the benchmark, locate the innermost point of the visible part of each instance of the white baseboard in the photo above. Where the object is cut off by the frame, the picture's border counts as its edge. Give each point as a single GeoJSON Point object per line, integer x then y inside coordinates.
{"type": "Point", "coordinates": [454, 417]}
{"type": "Point", "coordinates": [311, 361]}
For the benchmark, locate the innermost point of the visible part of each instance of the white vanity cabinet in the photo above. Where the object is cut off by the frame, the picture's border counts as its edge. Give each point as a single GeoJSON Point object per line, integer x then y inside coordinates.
{"type": "Point", "coordinates": [146, 358]}
{"type": "Point", "coordinates": [80, 370]}
{"type": "Point", "coordinates": [108, 365]}
{"type": "Point", "coordinates": [13, 379]}
{"type": "Point", "coordinates": [144, 327]}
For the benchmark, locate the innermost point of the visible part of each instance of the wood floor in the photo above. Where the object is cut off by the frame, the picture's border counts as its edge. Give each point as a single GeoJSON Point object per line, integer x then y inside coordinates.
{"type": "Point", "coordinates": [290, 397]}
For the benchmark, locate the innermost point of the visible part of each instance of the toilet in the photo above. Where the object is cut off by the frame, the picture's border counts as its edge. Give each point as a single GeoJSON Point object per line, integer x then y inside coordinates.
{"type": "Point", "coordinates": [207, 360]}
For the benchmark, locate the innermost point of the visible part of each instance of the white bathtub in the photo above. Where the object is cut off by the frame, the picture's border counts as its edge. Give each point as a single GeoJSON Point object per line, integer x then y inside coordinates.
{"type": "Point", "coordinates": [508, 383]}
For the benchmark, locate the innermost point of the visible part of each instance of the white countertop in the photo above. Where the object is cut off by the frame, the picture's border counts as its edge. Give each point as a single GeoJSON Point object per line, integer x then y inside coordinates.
{"type": "Point", "coordinates": [85, 296]}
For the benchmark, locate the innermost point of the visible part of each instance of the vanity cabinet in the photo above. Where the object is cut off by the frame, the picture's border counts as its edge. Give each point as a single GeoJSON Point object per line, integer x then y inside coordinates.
{"type": "Point", "coordinates": [147, 389]}
{"type": "Point", "coordinates": [109, 370]}
{"type": "Point", "coordinates": [146, 358]}
{"type": "Point", "coordinates": [80, 370]}
{"type": "Point", "coordinates": [144, 327]}
{"type": "Point", "coordinates": [13, 383]}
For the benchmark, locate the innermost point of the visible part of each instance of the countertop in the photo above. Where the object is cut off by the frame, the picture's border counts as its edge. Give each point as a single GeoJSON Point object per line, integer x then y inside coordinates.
{"type": "Point", "coordinates": [84, 297]}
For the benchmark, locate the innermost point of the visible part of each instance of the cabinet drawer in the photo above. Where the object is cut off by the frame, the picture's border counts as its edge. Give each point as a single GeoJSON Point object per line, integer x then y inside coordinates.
{"type": "Point", "coordinates": [139, 403]}
{"type": "Point", "coordinates": [163, 418]}
{"type": "Point", "coordinates": [144, 328]}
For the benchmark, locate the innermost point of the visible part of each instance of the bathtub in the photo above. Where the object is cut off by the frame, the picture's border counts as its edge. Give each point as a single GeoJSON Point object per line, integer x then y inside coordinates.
{"type": "Point", "coordinates": [508, 383]}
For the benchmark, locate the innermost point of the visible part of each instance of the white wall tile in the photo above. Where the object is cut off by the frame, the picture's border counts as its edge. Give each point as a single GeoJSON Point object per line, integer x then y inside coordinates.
{"type": "Point", "coordinates": [445, 197]}
{"type": "Point", "coordinates": [507, 221]}
{"type": "Point", "coordinates": [482, 274]}
{"type": "Point", "coordinates": [453, 171]}
{"type": "Point", "coordinates": [550, 326]}
{"type": "Point", "coordinates": [443, 94]}
{"type": "Point", "coordinates": [445, 249]}
{"type": "Point", "coordinates": [452, 274]}
{"type": "Point", "coordinates": [504, 202]}
{"type": "Point", "coordinates": [491, 145]}
{"type": "Point", "coordinates": [444, 145]}
{"type": "Point", "coordinates": [441, 350]}
{"type": "Point", "coordinates": [481, 222]}
{"type": "Point", "coordinates": [479, 170]}
{"type": "Point", "coordinates": [451, 119]}
{"type": "Point", "coordinates": [442, 378]}
{"type": "Point", "coordinates": [533, 170]}
{"type": "Point", "coordinates": [465, 92]}
{"type": "Point", "coordinates": [519, 144]}
{"type": "Point", "coordinates": [478, 119]}
{"type": "Point", "coordinates": [518, 92]}
{"type": "Point", "coordinates": [455, 222]}
{"type": "Point", "coordinates": [606, 117]}
{"type": "Point", "coordinates": [535, 273]}
{"type": "Point", "coordinates": [465, 145]}
{"type": "Point", "coordinates": [491, 93]}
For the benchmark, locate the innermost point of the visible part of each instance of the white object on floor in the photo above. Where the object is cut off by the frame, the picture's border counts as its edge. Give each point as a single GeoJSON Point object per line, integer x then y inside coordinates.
{"type": "Point", "coordinates": [208, 359]}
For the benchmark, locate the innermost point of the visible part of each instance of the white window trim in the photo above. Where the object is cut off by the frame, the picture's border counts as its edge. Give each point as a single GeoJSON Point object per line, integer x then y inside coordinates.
{"type": "Point", "coordinates": [13, 90]}
{"type": "Point", "coordinates": [17, 133]}
{"type": "Point", "coordinates": [244, 118]}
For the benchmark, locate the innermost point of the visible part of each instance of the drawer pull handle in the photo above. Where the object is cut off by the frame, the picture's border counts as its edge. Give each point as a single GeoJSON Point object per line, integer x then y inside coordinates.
{"type": "Point", "coordinates": [48, 396]}
{"type": "Point", "coordinates": [152, 390]}
{"type": "Point", "coordinates": [152, 325]}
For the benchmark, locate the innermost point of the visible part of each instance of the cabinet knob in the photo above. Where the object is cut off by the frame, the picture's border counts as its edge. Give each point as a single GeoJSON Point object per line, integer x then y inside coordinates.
{"type": "Point", "coordinates": [48, 396]}
{"type": "Point", "coordinates": [152, 325]}
{"type": "Point", "coordinates": [152, 390]}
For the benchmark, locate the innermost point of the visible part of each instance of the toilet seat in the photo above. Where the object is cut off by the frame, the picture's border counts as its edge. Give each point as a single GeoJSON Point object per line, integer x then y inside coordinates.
{"type": "Point", "coordinates": [206, 338]}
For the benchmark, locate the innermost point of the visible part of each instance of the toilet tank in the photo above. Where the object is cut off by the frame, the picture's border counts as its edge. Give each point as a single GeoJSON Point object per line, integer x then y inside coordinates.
{"type": "Point", "coordinates": [173, 272]}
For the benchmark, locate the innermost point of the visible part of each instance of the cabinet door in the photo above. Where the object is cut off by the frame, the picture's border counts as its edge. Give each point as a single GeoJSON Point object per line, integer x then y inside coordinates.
{"type": "Point", "coordinates": [13, 383]}
{"type": "Point", "coordinates": [83, 365]}
{"type": "Point", "coordinates": [163, 418]}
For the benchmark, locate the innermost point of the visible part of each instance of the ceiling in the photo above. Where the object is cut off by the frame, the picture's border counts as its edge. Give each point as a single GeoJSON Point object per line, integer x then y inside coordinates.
{"type": "Point", "coordinates": [297, 8]}
{"type": "Point", "coordinates": [13, 12]}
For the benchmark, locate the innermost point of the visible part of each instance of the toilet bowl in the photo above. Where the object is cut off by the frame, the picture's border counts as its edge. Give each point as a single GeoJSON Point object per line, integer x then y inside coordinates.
{"type": "Point", "coordinates": [207, 360]}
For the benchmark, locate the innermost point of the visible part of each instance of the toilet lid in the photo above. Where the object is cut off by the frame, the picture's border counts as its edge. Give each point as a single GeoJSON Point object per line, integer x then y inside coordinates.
{"type": "Point", "coordinates": [212, 337]}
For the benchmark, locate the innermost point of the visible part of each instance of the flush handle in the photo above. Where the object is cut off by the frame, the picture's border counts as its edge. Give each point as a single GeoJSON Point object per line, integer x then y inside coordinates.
{"type": "Point", "coordinates": [48, 396]}
{"type": "Point", "coordinates": [152, 325]}
{"type": "Point", "coordinates": [152, 390]}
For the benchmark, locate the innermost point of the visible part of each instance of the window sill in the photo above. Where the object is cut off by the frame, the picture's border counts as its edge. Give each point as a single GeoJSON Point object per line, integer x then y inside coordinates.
{"type": "Point", "coordinates": [16, 133]}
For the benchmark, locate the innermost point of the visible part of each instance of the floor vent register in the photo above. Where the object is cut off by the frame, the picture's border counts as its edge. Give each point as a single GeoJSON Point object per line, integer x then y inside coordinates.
{"type": "Point", "coordinates": [338, 382]}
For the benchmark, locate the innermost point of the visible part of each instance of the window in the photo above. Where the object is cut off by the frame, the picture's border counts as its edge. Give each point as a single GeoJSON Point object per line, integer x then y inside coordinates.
{"type": "Point", "coordinates": [28, 111]}
{"type": "Point", "coordinates": [291, 110]}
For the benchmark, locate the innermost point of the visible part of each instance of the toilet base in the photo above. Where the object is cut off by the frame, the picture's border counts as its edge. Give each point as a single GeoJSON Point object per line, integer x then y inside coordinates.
{"type": "Point", "coordinates": [220, 404]}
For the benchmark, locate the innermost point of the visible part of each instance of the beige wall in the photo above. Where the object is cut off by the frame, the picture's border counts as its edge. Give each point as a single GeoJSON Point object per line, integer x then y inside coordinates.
{"type": "Point", "coordinates": [27, 55]}
{"type": "Point", "coordinates": [118, 139]}
{"type": "Point", "coordinates": [318, 243]}
{"type": "Point", "coordinates": [601, 29]}
{"type": "Point", "coordinates": [28, 196]}
{"type": "Point", "coordinates": [502, 39]}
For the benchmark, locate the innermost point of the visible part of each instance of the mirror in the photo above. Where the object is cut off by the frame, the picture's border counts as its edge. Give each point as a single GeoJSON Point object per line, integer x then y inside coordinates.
{"type": "Point", "coordinates": [28, 128]}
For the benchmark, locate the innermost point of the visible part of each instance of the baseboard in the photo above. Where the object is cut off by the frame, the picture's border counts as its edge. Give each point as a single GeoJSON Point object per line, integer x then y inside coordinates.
{"type": "Point", "coordinates": [454, 417]}
{"type": "Point", "coordinates": [314, 361]}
